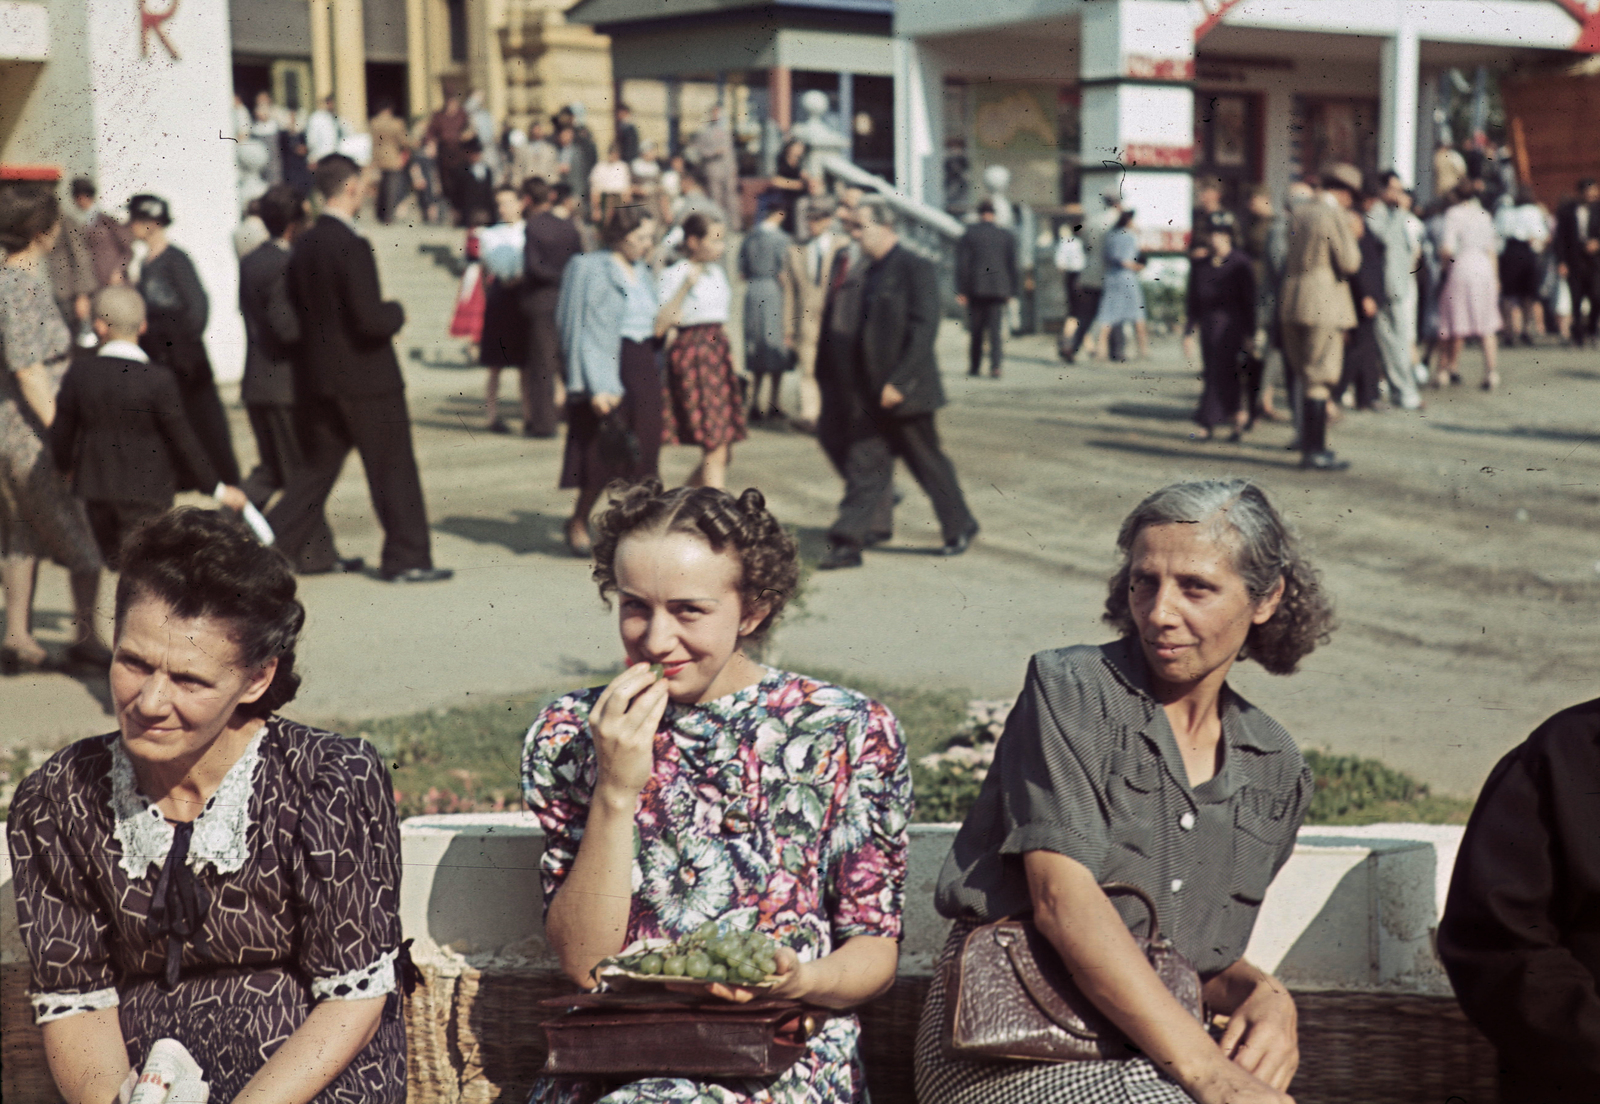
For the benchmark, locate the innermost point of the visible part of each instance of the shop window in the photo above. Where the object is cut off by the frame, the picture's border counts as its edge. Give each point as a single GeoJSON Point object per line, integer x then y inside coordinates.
{"type": "Point", "coordinates": [1227, 143]}
{"type": "Point", "coordinates": [1328, 129]}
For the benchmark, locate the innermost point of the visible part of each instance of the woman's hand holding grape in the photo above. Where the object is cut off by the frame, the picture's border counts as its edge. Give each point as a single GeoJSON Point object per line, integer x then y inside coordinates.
{"type": "Point", "coordinates": [624, 722]}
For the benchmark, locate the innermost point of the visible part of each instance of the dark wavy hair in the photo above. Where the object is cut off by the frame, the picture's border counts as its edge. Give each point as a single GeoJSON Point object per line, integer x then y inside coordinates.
{"type": "Point", "coordinates": [1237, 512]}
{"type": "Point", "coordinates": [26, 211]}
{"type": "Point", "coordinates": [769, 561]}
{"type": "Point", "coordinates": [205, 563]}
{"type": "Point", "coordinates": [621, 222]}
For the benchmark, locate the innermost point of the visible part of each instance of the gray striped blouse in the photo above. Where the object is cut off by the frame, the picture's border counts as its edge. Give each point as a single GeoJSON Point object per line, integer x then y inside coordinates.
{"type": "Point", "coordinates": [1088, 767]}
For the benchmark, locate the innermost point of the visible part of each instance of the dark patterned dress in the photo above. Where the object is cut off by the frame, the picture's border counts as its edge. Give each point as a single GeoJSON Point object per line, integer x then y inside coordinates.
{"type": "Point", "coordinates": [703, 403]}
{"type": "Point", "coordinates": [298, 855]}
{"type": "Point", "coordinates": [782, 808]}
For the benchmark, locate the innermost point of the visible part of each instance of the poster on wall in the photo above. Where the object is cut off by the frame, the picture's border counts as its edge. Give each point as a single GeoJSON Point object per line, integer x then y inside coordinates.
{"type": "Point", "coordinates": [1014, 118]}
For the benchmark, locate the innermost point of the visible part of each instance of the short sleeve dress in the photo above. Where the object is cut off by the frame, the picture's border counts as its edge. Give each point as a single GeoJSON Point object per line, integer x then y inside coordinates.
{"type": "Point", "coordinates": [782, 807]}
{"type": "Point", "coordinates": [1123, 298]}
{"type": "Point", "coordinates": [297, 862]}
{"type": "Point", "coordinates": [38, 514]}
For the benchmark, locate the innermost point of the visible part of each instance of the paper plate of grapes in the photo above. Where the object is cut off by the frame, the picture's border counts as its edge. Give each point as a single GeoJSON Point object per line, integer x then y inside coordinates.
{"type": "Point", "coordinates": [713, 954]}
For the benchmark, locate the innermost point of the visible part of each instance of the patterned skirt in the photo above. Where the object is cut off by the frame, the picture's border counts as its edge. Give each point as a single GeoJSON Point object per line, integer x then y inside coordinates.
{"type": "Point", "coordinates": [701, 393]}
{"type": "Point", "coordinates": [942, 1079]}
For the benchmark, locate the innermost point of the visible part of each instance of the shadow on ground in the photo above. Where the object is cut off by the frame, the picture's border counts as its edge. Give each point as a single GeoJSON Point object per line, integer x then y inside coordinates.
{"type": "Point", "coordinates": [523, 533]}
{"type": "Point", "coordinates": [1152, 412]}
{"type": "Point", "coordinates": [1231, 455]}
{"type": "Point", "coordinates": [1542, 433]}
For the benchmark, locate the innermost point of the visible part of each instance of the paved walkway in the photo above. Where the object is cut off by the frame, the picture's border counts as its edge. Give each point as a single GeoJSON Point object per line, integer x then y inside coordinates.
{"type": "Point", "coordinates": [1462, 549]}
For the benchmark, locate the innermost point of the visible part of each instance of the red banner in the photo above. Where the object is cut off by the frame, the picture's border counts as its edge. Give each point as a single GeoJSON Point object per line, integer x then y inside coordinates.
{"type": "Point", "coordinates": [1149, 155]}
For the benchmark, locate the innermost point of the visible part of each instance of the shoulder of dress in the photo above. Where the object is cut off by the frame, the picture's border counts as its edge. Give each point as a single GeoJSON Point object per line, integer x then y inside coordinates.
{"type": "Point", "coordinates": [75, 768]}
{"type": "Point", "coordinates": [1573, 733]}
{"type": "Point", "coordinates": [315, 753]}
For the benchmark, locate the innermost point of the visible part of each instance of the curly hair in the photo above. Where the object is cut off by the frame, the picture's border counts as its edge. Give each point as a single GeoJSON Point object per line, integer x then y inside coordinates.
{"type": "Point", "coordinates": [1236, 511]}
{"type": "Point", "coordinates": [26, 211]}
{"type": "Point", "coordinates": [204, 563]}
{"type": "Point", "coordinates": [769, 561]}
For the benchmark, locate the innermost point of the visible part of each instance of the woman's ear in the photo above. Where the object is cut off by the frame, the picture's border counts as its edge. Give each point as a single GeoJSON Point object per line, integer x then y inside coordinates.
{"type": "Point", "coordinates": [260, 681]}
{"type": "Point", "coordinates": [1268, 604]}
{"type": "Point", "coordinates": [754, 615]}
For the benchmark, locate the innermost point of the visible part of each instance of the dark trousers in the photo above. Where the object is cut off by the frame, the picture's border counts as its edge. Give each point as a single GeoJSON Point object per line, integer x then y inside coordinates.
{"type": "Point", "coordinates": [111, 522]}
{"type": "Point", "coordinates": [1085, 306]}
{"type": "Point", "coordinates": [1223, 373]}
{"type": "Point", "coordinates": [985, 317]}
{"type": "Point", "coordinates": [1363, 364]}
{"type": "Point", "coordinates": [278, 433]}
{"type": "Point", "coordinates": [1584, 283]}
{"type": "Point", "coordinates": [203, 407]}
{"type": "Point", "coordinates": [379, 428]}
{"type": "Point", "coordinates": [878, 440]}
{"type": "Point", "coordinates": [393, 186]}
{"type": "Point", "coordinates": [543, 366]}
{"type": "Point", "coordinates": [835, 436]}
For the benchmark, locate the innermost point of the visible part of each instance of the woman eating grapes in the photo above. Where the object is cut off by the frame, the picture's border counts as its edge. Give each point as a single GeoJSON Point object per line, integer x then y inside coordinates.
{"type": "Point", "coordinates": [702, 794]}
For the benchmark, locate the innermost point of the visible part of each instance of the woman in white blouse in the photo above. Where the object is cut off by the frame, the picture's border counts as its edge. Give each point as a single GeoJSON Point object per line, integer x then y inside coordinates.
{"type": "Point", "coordinates": [704, 406]}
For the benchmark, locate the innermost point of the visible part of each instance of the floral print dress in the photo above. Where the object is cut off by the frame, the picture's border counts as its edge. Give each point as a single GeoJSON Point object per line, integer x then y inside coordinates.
{"type": "Point", "coordinates": [781, 807]}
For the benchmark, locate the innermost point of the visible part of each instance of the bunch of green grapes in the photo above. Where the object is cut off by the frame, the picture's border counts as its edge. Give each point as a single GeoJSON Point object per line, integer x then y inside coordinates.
{"type": "Point", "coordinates": [713, 952]}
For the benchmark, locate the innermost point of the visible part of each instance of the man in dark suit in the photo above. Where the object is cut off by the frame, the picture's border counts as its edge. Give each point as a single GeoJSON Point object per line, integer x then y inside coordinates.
{"type": "Point", "coordinates": [1577, 244]}
{"type": "Point", "coordinates": [121, 430]}
{"type": "Point", "coordinates": [896, 389]}
{"type": "Point", "coordinates": [986, 279]}
{"type": "Point", "coordinates": [551, 241]}
{"type": "Point", "coordinates": [350, 391]}
{"type": "Point", "coordinates": [272, 330]}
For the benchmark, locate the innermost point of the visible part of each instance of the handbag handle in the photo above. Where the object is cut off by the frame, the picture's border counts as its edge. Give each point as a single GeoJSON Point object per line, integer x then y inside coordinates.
{"type": "Point", "coordinates": [1043, 993]}
{"type": "Point", "coordinates": [1150, 906]}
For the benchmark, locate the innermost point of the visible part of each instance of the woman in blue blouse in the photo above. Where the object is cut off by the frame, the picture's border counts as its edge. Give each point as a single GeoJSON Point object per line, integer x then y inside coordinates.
{"type": "Point", "coordinates": [607, 318]}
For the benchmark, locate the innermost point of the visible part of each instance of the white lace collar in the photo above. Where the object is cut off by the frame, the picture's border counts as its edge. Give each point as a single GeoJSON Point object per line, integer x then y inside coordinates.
{"type": "Point", "coordinates": [219, 830]}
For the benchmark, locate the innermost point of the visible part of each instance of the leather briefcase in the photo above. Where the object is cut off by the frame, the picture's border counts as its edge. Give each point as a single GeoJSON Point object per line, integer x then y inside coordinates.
{"type": "Point", "coordinates": [1009, 995]}
{"type": "Point", "coordinates": [627, 1036]}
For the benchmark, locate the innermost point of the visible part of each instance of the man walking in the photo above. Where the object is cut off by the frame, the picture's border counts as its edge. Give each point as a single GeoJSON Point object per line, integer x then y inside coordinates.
{"type": "Point", "coordinates": [351, 390]}
{"type": "Point", "coordinates": [718, 163]}
{"type": "Point", "coordinates": [390, 146]}
{"type": "Point", "coordinates": [986, 279]}
{"type": "Point", "coordinates": [897, 390]}
{"type": "Point", "coordinates": [1578, 259]}
{"type": "Point", "coordinates": [1397, 313]}
{"type": "Point", "coordinates": [550, 242]}
{"type": "Point", "coordinates": [809, 266]}
{"type": "Point", "coordinates": [272, 332]}
{"type": "Point", "coordinates": [1316, 307]}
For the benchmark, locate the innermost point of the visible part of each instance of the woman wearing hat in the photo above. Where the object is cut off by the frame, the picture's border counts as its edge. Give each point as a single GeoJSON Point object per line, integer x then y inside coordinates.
{"type": "Point", "coordinates": [1222, 303]}
{"type": "Point", "coordinates": [178, 309]}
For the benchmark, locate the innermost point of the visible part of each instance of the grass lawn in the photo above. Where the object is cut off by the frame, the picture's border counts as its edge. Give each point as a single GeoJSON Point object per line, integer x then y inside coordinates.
{"type": "Point", "coordinates": [466, 759]}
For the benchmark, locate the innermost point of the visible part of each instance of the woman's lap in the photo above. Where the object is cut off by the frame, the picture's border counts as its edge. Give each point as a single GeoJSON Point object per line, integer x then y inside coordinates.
{"type": "Point", "coordinates": [941, 1079]}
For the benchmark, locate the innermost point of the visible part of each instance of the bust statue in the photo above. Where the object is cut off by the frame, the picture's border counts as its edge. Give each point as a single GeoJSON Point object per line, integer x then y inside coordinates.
{"type": "Point", "coordinates": [819, 137]}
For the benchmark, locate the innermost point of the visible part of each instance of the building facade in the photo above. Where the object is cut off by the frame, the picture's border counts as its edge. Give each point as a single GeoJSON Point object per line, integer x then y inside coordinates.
{"type": "Point", "coordinates": [1076, 97]}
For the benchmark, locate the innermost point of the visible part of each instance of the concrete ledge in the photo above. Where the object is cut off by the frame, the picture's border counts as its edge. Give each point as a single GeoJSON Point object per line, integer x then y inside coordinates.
{"type": "Point", "coordinates": [1348, 924]}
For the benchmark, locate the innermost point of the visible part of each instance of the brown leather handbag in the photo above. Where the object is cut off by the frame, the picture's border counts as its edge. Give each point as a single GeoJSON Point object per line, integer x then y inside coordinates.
{"type": "Point", "coordinates": [629, 1036]}
{"type": "Point", "coordinates": [1009, 996]}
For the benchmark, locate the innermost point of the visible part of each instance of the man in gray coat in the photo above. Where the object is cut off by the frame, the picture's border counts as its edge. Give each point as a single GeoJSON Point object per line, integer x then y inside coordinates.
{"type": "Point", "coordinates": [1397, 314]}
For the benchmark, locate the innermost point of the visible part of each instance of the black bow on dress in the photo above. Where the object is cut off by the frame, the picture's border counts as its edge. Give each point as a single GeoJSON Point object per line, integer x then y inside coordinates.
{"type": "Point", "coordinates": [180, 903]}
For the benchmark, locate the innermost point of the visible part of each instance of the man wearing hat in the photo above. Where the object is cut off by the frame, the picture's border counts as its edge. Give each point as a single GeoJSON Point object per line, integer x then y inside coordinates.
{"type": "Point", "coordinates": [1315, 304]}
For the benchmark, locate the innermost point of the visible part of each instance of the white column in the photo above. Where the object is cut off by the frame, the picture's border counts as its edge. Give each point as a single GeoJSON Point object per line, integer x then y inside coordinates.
{"type": "Point", "coordinates": [918, 123]}
{"type": "Point", "coordinates": [1136, 68]}
{"type": "Point", "coordinates": [160, 125]}
{"type": "Point", "coordinates": [1397, 110]}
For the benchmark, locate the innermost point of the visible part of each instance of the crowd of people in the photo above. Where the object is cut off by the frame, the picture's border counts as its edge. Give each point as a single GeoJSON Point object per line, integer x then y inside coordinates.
{"type": "Point", "coordinates": [1361, 309]}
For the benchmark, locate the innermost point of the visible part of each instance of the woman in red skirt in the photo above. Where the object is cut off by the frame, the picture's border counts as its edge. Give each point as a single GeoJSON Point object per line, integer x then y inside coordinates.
{"type": "Point", "coordinates": [703, 404]}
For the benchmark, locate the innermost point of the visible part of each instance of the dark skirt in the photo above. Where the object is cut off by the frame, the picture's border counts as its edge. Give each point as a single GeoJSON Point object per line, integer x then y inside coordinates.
{"type": "Point", "coordinates": [703, 406]}
{"type": "Point", "coordinates": [1223, 371]}
{"type": "Point", "coordinates": [1519, 270]}
{"type": "Point", "coordinates": [505, 328]}
{"type": "Point", "coordinates": [583, 466]}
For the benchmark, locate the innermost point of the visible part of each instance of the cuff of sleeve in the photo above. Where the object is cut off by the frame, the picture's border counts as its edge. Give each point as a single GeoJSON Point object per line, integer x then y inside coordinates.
{"type": "Point", "coordinates": [1060, 838]}
{"type": "Point", "coordinates": [58, 1006]}
{"type": "Point", "coordinates": [373, 980]}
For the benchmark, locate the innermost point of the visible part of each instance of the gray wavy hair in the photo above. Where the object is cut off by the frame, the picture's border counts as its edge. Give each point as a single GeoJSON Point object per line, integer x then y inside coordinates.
{"type": "Point", "coordinates": [1237, 512]}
